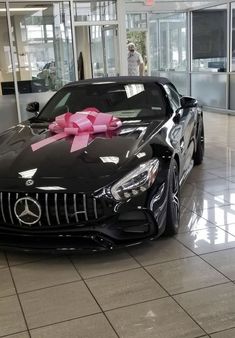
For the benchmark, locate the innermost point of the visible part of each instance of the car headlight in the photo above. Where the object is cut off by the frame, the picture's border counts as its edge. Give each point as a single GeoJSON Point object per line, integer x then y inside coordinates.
{"type": "Point", "coordinates": [136, 182]}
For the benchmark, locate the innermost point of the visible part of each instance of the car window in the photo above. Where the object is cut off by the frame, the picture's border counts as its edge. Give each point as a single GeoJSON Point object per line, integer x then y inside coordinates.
{"type": "Point", "coordinates": [173, 96]}
{"type": "Point", "coordinates": [124, 100]}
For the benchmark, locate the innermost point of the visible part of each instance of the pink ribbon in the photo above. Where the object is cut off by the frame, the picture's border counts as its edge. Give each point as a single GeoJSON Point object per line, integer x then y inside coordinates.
{"type": "Point", "coordinates": [81, 125]}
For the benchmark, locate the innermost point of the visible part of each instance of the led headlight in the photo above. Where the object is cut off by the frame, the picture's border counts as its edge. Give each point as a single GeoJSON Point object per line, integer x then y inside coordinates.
{"type": "Point", "coordinates": [137, 181]}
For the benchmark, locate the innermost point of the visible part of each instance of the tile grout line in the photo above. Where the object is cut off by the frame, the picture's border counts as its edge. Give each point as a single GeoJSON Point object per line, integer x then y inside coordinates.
{"type": "Point", "coordinates": [84, 281]}
{"type": "Point", "coordinates": [189, 211]}
{"type": "Point", "coordinates": [110, 273]}
{"type": "Point", "coordinates": [17, 295]}
{"type": "Point", "coordinates": [145, 270]}
{"type": "Point", "coordinates": [200, 256]}
{"type": "Point", "coordinates": [204, 191]}
{"type": "Point", "coordinates": [220, 227]}
{"type": "Point", "coordinates": [204, 253]}
{"type": "Point", "coordinates": [46, 287]}
{"type": "Point", "coordinates": [116, 272]}
{"type": "Point", "coordinates": [55, 256]}
{"type": "Point", "coordinates": [10, 334]}
{"type": "Point", "coordinates": [126, 306]}
{"type": "Point", "coordinates": [173, 299]}
{"type": "Point", "coordinates": [230, 328]}
{"type": "Point", "coordinates": [64, 321]}
{"type": "Point", "coordinates": [99, 276]}
{"type": "Point", "coordinates": [202, 288]}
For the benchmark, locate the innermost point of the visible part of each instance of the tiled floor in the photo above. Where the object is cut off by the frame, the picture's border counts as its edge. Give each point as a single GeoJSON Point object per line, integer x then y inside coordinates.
{"type": "Point", "coordinates": [169, 288]}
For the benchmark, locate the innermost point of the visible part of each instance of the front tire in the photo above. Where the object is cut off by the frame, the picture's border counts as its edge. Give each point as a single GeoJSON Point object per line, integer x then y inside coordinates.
{"type": "Point", "coordinates": [173, 203]}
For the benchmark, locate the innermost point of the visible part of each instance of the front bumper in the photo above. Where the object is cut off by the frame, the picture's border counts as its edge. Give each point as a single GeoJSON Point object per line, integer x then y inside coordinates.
{"type": "Point", "coordinates": [118, 231]}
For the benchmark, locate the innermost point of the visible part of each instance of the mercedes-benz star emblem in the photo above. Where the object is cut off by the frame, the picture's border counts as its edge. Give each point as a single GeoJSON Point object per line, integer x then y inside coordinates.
{"type": "Point", "coordinates": [27, 210]}
{"type": "Point", "coordinates": [28, 183]}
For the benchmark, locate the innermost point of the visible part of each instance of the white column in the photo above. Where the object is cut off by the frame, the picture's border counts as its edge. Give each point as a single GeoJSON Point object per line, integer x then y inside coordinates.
{"type": "Point", "coordinates": [121, 16]}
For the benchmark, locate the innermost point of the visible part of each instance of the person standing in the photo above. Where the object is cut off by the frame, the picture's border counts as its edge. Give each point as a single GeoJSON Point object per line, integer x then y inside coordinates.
{"type": "Point", "coordinates": [135, 61]}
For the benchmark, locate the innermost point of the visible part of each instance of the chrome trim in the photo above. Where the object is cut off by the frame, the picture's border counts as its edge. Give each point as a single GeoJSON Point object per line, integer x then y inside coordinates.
{"type": "Point", "coordinates": [84, 206]}
{"type": "Point", "coordinates": [66, 209]}
{"type": "Point", "coordinates": [17, 196]}
{"type": "Point", "coordinates": [3, 215]}
{"type": "Point", "coordinates": [75, 207]}
{"type": "Point", "coordinates": [95, 207]}
{"type": "Point", "coordinates": [56, 209]}
{"type": "Point", "coordinates": [39, 222]}
{"type": "Point", "coordinates": [9, 207]}
{"type": "Point", "coordinates": [46, 207]}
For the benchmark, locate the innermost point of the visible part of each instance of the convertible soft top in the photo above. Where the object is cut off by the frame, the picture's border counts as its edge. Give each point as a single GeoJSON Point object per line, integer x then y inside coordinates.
{"type": "Point", "coordinates": [121, 79]}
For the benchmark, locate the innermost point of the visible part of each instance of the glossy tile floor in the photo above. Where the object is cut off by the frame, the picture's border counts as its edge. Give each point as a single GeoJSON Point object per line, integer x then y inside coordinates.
{"type": "Point", "coordinates": [170, 288]}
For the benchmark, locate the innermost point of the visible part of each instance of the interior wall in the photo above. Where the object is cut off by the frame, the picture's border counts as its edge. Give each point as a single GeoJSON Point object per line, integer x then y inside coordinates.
{"type": "Point", "coordinates": [83, 45]}
{"type": "Point", "coordinates": [5, 59]}
{"type": "Point", "coordinates": [8, 111]}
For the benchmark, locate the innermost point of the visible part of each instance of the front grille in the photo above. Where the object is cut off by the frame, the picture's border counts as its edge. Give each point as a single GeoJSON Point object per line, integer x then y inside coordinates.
{"type": "Point", "coordinates": [57, 209]}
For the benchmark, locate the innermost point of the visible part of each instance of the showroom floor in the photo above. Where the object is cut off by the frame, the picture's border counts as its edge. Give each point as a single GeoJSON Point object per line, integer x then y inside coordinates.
{"type": "Point", "coordinates": [176, 287]}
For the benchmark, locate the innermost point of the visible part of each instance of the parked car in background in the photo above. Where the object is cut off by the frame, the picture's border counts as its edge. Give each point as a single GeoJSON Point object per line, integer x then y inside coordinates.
{"type": "Point", "coordinates": [119, 188]}
{"type": "Point", "coordinates": [48, 73]}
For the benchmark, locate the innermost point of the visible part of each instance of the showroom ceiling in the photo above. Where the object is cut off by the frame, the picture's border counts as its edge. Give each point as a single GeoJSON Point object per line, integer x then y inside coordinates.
{"type": "Point", "coordinates": [166, 5]}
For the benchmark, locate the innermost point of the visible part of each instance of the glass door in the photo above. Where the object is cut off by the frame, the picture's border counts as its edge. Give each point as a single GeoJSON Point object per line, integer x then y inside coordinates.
{"type": "Point", "coordinates": [42, 42]}
{"type": "Point", "coordinates": [104, 50]}
{"type": "Point", "coordinates": [110, 50]}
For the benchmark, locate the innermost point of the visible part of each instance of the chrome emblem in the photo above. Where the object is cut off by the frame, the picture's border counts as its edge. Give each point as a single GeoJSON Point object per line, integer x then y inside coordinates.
{"type": "Point", "coordinates": [27, 210]}
{"type": "Point", "coordinates": [28, 183]}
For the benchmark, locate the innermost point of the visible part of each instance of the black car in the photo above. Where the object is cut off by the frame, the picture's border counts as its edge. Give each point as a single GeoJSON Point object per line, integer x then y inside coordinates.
{"type": "Point", "coordinates": [122, 188]}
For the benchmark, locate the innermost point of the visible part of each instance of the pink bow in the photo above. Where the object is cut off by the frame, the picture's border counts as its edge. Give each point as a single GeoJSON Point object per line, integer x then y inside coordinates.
{"type": "Point", "coordinates": [81, 125]}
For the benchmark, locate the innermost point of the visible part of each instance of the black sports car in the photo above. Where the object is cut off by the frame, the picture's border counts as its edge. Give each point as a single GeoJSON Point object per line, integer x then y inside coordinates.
{"type": "Point", "coordinates": [122, 186]}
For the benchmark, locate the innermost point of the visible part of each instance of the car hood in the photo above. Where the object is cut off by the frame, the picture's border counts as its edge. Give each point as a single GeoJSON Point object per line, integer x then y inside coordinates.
{"type": "Point", "coordinates": [105, 159]}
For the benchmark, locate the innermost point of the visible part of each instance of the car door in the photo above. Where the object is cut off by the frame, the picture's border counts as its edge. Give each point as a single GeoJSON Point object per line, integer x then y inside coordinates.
{"type": "Point", "coordinates": [186, 124]}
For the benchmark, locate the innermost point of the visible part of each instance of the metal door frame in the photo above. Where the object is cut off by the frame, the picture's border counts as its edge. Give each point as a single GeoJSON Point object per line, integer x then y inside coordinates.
{"type": "Point", "coordinates": [104, 27]}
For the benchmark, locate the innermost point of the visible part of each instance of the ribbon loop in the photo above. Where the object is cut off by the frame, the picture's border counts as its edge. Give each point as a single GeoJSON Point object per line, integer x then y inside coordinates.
{"type": "Point", "coordinates": [81, 125]}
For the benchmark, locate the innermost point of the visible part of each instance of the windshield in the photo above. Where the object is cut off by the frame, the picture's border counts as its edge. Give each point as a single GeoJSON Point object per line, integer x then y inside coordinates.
{"type": "Point", "coordinates": [123, 100]}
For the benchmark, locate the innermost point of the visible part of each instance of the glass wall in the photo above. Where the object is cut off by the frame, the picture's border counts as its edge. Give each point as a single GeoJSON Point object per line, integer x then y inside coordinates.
{"type": "Point", "coordinates": [209, 39]}
{"type": "Point", "coordinates": [233, 38]}
{"type": "Point", "coordinates": [43, 52]}
{"type": "Point", "coordinates": [232, 91]}
{"type": "Point", "coordinates": [180, 80]}
{"type": "Point", "coordinates": [232, 76]}
{"type": "Point", "coordinates": [168, 40]}
{"type": "Point", "coordinates": [136, 21]}
{"type": "Point", "coordinates": [95, 10]}
{"type": "Point", "coordinates": [209, 55]}
{"type": "Point", "coordinates": [8, 110]}
{"type": "Point", "coordinates": [210, 89]}
{"type": "Point", "coordinates": [168, 48]}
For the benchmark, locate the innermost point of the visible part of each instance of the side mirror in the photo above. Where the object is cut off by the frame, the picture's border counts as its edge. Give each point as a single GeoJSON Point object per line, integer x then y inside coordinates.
{"type": "Point", "coordinates": [188, 102]}
{"type": "Point", "coordinates": [33, 107]}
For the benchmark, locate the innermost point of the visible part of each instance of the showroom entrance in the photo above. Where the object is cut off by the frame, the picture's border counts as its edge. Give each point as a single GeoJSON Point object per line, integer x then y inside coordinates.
{"type": "Point", "coordinates": [97, 50]}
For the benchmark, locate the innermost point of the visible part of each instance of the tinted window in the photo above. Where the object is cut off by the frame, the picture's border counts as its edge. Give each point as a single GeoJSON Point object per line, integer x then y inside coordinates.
{"type": "Point", "coordinates": [127, 101]}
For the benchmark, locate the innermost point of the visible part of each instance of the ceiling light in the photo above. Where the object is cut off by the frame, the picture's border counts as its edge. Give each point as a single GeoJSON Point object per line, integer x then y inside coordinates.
{"type": "Point", "coordinates": [26, 9]}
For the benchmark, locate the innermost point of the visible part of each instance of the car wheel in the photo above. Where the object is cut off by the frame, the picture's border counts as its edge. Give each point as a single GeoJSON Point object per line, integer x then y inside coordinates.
{"type": "Point", "coordinates": [173, 203]}
{"type": "Point", "coordinates": [199, 154]}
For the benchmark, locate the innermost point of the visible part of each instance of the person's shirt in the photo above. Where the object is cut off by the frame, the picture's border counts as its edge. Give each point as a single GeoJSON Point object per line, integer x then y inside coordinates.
{"type": "Point", "coordinates": [134, 61]}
